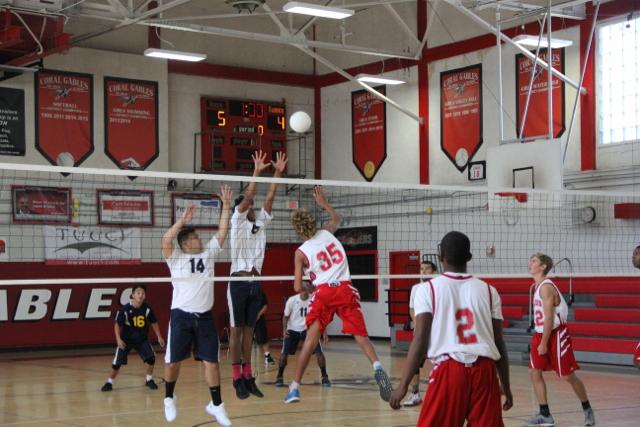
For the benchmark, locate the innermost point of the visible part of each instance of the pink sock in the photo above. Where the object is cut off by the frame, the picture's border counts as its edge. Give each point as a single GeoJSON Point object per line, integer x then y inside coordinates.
{"type": "Point", "coordinates": [246, 371]}
{"type": "Point", "coordinates": [237, 371]}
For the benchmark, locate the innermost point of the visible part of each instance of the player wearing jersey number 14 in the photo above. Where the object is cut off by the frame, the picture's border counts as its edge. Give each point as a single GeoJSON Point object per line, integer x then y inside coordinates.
{"type": "Point", "coordinates": [323, 258]}
{"type": "Point", "coordinates": [460, 319]}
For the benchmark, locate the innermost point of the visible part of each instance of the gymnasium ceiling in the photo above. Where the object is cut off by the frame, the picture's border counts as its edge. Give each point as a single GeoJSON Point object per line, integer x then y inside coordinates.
{"type": "Point", "coordinates": [380, 29]}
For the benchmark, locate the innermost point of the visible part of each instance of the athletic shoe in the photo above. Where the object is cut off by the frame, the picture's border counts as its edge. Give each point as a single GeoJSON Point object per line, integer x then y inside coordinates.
{"type": "Point", "coordinates": [268, 360]}
{"type": "Point", "coordinates": [293, 395]}
{"type": "Point", "coordinates": [539, 420]}
{"type": "Point", "coordinates": [250, 384]}
{"type": "Point", "coordinates": [589, 417]}
{"type": "Point", "coordinates": [151, 384]}
{"type": "Point", "coordinates": [219, 413]}
{"type": "Point", "coordinates": [241, 389]}
{"type": "Point", "coordinates": [384, 384]}
{"type": "Point", "coordinates": [170, 410]}
{"type": "Point", "coordinates": [413, 400]}
{"type": "Point", "coordinates": [107, 387]}
{"type": "Point", "coordinates": [325, 382]}
{"type": "Point", "coordinates": [279, 382]}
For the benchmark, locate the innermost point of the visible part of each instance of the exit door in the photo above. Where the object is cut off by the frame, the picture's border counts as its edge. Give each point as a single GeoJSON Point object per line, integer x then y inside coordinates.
{"type": "Point", "coordinates": [403, 262]}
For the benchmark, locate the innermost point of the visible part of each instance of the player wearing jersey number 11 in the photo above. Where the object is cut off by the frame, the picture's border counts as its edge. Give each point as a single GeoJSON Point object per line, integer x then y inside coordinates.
{"type": "Point", "coordinates": [460, 319]}
{"type": "Point", "coordinates": [323, 258]}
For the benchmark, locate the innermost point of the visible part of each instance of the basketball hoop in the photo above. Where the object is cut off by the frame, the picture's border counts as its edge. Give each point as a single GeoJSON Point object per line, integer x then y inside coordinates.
{"type": "Point", "coordinates": [511, 205]}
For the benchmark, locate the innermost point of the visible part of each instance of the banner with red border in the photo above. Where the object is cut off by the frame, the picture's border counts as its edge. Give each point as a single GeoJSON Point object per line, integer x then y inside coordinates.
{"type": "Point", "coordinates": [368, 132]}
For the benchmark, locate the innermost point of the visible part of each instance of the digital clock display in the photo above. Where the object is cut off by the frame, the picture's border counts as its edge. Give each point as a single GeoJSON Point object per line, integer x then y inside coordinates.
{"type": "Point", "coordinates": [236, 129]}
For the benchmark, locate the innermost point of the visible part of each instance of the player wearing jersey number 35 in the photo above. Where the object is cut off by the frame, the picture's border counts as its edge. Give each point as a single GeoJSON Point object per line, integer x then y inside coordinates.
{"type": "Point", "coordinates": [460, 319]}
{"type": "Point", "coordinates": [323, 258]}
{"type": "Point", "coordinates": [551, 344]}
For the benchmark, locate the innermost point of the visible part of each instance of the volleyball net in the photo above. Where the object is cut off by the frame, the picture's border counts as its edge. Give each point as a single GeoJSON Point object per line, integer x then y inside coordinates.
{"type": "Point", "coordinates": [82, 216]}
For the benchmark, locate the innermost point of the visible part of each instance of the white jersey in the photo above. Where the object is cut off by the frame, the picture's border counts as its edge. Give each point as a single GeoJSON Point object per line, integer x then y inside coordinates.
{"type": "Point", "coordinates": [248, 240]}
{"type": "Point", "coordinates": [193, 297]}
{"type": "Point", "coordinates": [463, 308]}
{"type": "Point", "coordinates": [561, 311]}
{"type": "Point", "coordinates": [296, 310]}
{"type": "Point", "coordinates": [326, 258]}
{"type": "Point", "coordinates": [412, 295]}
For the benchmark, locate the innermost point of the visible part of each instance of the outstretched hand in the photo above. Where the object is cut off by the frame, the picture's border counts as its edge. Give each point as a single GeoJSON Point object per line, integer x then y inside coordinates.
{"type": "Point", "coordinates": [226, 194]}
{"type": "Point", "coordinates": [320, 195]}
{"type": "Point", "coordinates": [187, 215]}
{"type": "Point", "coordinates": [259, 161]}
{"type": "Point", "coordinates": [281, 162]}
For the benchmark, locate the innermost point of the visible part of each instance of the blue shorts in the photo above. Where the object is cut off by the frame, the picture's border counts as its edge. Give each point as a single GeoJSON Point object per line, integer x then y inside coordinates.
{"type": "Point", "coordinates": [290, 344]}
{"type": "Point", "coordinates": [144, 350]}
{"type": "Point", "coordinates": [192, 331]}
{"type": "Point", "coordinates": [245, 301]}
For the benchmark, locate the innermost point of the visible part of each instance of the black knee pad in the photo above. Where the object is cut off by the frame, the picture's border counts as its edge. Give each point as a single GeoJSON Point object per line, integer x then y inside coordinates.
{"type": "Point", "coordinates": [151, 361]}
{"type": "Point", "coordinates": [116, 367]}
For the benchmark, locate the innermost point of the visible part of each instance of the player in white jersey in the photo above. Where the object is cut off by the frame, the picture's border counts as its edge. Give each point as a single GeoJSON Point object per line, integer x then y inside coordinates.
{"type": "Point", "coordinates": [248, 242]}
{"type": "Point", "coordinates": [294, 331]}
{"type": "Point", "coordinates": [426, 268]}
{"type": "Point", "coordinates": [191, 326]}
{"type": "Point", "coordinates": [551, 344]}
{"type": "Point", "coordinates": [460, 319]}
{"type": "Point", "coordinates": [324, 259]}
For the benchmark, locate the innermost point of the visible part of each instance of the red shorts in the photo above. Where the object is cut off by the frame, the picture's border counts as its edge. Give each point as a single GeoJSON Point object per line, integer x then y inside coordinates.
{"type": "Point", "coordinates": [343, 300]}
{"type": "Point", "coordinates": [636, 354]}
{"type": "Point", "coordinates": [458, 392]}
{"type": "Point", "coordinates": [559, 356]}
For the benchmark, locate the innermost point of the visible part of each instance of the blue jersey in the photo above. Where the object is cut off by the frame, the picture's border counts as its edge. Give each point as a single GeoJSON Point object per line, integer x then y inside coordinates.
{"type": "Point", "coordinates": [135, 322]}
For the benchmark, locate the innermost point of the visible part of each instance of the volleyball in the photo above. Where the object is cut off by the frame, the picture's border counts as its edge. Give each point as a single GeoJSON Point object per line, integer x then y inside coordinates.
{"type": "Point", "coordinates": [300, 121]}
{"type": "Point", "coordinates": [65, 159]}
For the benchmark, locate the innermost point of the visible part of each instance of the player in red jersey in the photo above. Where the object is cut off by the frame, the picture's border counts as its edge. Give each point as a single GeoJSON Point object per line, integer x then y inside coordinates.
{"type": "Point", "coordinates": [459, 318]}
{"type": "Point", "coordinates": [323, 258]}
{"type": "Point", "coordinates": [551, 344]}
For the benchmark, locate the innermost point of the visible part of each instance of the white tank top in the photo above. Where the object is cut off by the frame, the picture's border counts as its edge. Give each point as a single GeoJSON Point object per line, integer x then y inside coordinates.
{"type": "Point", "coordinates": [326, 258]}
{"type": "Point", "coordinates": [561, 311]}
{"type": "Point", "coordinates": [463, 310]}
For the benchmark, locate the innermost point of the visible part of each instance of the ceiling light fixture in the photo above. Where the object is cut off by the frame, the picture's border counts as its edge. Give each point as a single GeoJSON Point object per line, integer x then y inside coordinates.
{"type": "Point", "coordinates": [532, 41]}
{"type": "Point", "coordinates": [369, 78]}
{"type": "Point", "coordinates": [317, 10]}
{"type": "Point", "coordinates": [175, 54]}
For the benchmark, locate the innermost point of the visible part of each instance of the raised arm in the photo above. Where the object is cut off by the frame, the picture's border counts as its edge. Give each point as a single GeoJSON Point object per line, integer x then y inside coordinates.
{"type": "Point", "coordinates": [223, 227]}
{"type": "Point", "coordinates": [278, 166]}
{"type": "Point", "coordinates": [170, 235]}
{"type": "Point", "coordinates": [259, 165]}
{"type": "Point", "coordinates": [334, 218]}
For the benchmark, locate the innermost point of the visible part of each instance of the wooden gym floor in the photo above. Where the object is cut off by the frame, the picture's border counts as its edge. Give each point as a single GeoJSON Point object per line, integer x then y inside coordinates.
{"type": "Point", "coordinates": [61, 390]}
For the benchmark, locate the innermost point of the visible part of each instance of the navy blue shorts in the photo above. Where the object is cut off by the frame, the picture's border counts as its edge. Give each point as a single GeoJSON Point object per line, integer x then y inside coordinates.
{"type": "Point", "coordinates": [290, 344]}
{"type": "Point", "coordinates": [245, 302]}
{"type": "Point", "coordinates": [192, 332]}
{"type": "Point", "coordinates": [144, 350]}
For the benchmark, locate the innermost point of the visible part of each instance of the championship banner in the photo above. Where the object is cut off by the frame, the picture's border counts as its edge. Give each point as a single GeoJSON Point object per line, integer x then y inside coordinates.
{"type": "Point", "coordinates": [64, 116]}
{"type": "Point", "coordinates": [91, 246]}
{"type": "Point", "coordinates": [368, 132]}
{"type": "Point", "coordinates": [12, 122]}
{"type": "Point", "coordinates": [40, 204]}
{"type": "Point", "coordinates": [125, 207]}
{"type": "Point", "coordinates": [207, 214]}
{"type": "Point", "coordinates": [461, 114]}
{"type": "Point", "coordinates": [131, 122]}
{"type": "Point", "coordinates": [537, 124]}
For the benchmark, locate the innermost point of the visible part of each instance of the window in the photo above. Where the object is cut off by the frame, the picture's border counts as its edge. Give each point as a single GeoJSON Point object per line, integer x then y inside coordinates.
{"type": "Point", "coordinates": [618, 80]}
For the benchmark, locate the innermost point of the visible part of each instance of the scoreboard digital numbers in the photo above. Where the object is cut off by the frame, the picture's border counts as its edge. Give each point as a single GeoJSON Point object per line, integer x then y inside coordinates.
{"type": "Point", "coordinates": [232, 130]}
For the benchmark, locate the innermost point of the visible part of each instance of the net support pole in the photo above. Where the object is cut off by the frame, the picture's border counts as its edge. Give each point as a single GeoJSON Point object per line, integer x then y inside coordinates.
{"type": "Point", "coordinates": [582, 74]}
{"type": "Point", "coordinates": [500, 84]}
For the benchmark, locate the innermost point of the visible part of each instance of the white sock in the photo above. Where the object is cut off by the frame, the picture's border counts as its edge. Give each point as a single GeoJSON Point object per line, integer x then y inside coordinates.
{"type": "Point", "coordinates": [149, 377]}
{"type": "Point", "coordinates": [377, 366]}
{"type": "Point", "coordinates": [294, 385]}
{"type": "Point", "coordinates": [267, 354]}
{"type": "Point", "coordinates": [110, 380]}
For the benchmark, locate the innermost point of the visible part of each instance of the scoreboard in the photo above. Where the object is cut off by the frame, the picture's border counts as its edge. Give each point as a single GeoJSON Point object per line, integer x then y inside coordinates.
{"type": "Point", "coordinates": [232, 130]}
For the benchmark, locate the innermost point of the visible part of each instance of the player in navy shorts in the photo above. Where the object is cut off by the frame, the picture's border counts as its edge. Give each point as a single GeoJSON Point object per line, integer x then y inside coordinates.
{"type": "Point", "coordinates": [131, 330]}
